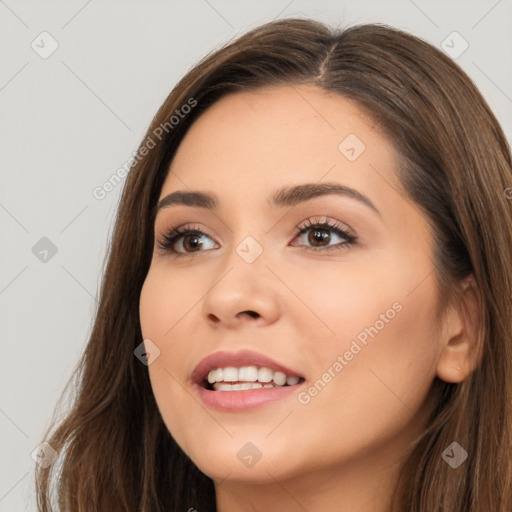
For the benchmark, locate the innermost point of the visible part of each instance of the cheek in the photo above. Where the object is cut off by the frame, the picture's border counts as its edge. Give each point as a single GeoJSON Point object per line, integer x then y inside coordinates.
{"type": "Point", "coordinates": [167, 297]}
{"type": "Point", "coordinates": [384, 350]}
{"type": "Point", "coordinates": [161, 307]}
{"type": "Point", "coordinates": [374, 344]}
{"type": "Point", "coordinates": [366, 395]}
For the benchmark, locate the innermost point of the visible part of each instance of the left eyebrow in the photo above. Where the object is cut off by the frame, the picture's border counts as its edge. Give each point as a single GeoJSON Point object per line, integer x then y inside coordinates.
{"type": "Point", "coordinates": [285, 197]}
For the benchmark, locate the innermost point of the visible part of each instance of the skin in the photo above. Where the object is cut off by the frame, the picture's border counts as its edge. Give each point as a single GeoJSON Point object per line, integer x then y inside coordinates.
{"type": "Point", "coordinates": [341, 450]}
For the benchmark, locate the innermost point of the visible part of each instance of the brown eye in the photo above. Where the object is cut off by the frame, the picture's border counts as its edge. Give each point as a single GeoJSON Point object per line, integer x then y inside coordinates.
{"type": "Point", "coordinates": [320, 234]}
{"type": "Point", "coordinates": [194, 240]}
{"type": "Point", "coordinates": [182, 241]}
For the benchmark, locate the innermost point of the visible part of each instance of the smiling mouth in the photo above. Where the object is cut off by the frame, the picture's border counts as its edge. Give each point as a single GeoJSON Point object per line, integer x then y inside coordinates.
{"type": "Point", "coordinates": [244, 378]}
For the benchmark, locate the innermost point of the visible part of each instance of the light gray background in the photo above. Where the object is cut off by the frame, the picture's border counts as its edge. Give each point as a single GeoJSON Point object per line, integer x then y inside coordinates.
{"type": "Point", "coordinates": [71, 120]}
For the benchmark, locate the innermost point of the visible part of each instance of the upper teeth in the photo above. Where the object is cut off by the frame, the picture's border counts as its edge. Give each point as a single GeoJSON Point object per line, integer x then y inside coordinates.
{"type": "Point", "coordinates": [250, 374]}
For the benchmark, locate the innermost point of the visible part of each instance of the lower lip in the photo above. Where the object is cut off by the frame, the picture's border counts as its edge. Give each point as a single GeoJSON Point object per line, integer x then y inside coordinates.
{"type": "Point", "coordinates": [246, 399]}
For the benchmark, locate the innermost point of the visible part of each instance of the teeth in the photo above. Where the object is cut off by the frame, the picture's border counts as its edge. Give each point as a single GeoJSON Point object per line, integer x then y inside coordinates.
{"type": "Point", "coordinates": [280, 378]}
{"type": "Point", "coordinates": [223, 387]}
{"type": "Point", "coordinates": [291, 381]}
{"type": "Point", "coordinates": [248, 373]}
{"type": "Point", "coordinates": [215, 376]}
{"type": "Point", "coordinates": [248, 377]}
{"type": "Point", "coordinates": [265, 374]}
{"type": "Point", "coordinates": [230, 374]}
{"type": "Point", "coordinates": [217, 386]}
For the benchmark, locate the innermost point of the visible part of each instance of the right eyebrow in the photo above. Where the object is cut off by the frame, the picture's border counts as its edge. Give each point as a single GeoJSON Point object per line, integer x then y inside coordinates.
{"type": "Point", "coordinates": [285, 197]}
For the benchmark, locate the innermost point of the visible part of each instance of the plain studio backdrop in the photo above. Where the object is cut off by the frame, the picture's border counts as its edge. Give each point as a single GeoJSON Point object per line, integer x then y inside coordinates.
{"type": "Point", "coordinates": [80, 82]}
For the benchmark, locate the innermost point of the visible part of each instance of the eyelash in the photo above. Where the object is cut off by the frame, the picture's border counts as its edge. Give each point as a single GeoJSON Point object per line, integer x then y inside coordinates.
{"type": "Point", "coordinates": [167, 242]}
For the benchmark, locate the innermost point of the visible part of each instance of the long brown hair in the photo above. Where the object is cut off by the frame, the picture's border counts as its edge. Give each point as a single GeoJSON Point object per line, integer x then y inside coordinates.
{"type": "Point", "coordinates": [115, 452]}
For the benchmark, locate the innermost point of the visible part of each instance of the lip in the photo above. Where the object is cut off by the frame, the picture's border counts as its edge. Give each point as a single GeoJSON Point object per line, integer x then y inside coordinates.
{"type": "Point", "coordinates": [243, 399]}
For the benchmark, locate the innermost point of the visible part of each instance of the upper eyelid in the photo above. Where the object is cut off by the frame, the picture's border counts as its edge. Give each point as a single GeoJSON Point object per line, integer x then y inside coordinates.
{"type": "Point", "coordinates": [179, 232]}
{"type": "Point", "coordinates": [307, 223]}
{"type": "Point", "coordinates": [330, 223]}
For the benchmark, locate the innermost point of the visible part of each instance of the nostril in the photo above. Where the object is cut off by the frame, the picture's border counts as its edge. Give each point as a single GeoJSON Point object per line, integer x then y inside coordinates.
{"type": "Point", "coordinates": [252, 314]}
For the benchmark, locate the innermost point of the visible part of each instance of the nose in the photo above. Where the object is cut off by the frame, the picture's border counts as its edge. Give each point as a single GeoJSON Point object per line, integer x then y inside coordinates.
{"type": "Point", "coordinates": [242, 293]}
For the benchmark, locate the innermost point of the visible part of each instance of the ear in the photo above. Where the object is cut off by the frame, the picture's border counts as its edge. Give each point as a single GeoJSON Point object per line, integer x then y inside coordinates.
{"type": "Point", "coordinates": [461, 336]}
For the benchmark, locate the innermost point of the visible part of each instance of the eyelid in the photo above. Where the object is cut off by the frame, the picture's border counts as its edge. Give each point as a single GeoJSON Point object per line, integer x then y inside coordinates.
{"type": "Point", "coordinates": [348, 234]}
{"type": "Point", "coordinates": [168, 239]}
{"type": "Point", "coordinates": [327, 222]}
{"type": "Point", "coordinates": [166, 243]}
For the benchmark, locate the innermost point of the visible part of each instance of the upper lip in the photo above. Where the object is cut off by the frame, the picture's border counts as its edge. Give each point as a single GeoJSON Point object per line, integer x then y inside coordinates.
{"type": "Point", "coordinates": [223, 359]}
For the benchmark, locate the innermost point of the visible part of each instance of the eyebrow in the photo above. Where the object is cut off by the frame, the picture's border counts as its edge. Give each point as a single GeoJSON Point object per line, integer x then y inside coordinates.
{"type": "Point", "coordinates": [285, 197]}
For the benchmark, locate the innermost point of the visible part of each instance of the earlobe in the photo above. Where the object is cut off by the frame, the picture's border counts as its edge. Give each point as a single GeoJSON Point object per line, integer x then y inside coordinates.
{"type": "Point", "coordinates": [461, 338]}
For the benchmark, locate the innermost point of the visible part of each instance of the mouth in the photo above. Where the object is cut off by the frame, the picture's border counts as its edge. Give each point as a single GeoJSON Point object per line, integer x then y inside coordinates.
{"type": "Point", "coordinates": [232, 378]}
{"type": "Point", "coordinates": [243, 371]}
{"type": "Point", "coordinates": [243, 381]}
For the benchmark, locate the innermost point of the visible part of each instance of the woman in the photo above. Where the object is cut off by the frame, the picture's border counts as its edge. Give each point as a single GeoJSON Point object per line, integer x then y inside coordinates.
{"type": "Point", "coordinates": [307, 300]}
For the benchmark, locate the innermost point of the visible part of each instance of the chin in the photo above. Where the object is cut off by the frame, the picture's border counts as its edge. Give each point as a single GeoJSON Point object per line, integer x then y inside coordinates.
{"type": "Point", "coordinates": [243, 460]}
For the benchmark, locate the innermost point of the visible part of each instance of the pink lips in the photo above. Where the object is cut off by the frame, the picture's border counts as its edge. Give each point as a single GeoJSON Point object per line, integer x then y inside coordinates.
{"type": "Point", "coordinates": [232, 401]}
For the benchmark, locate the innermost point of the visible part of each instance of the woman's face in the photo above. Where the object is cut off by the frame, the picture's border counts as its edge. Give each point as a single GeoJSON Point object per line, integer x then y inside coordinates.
{"type": "Point", "coordinates": [351, 315]}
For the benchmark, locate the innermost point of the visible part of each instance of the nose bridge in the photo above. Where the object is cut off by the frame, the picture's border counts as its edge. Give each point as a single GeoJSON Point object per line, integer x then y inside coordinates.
{"type": "Point", "coordinates": [242, 285]}
{"type": "Point", "coordinates": [250, 249]}
{"type": "Point", "coordinates": [245, 264]}
{"type": "Point", "coordinates": [249, 240]}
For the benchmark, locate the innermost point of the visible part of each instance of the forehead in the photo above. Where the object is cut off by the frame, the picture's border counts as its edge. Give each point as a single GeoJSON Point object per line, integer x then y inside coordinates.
{"type": "Point", "coordinates": [250, 142]}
